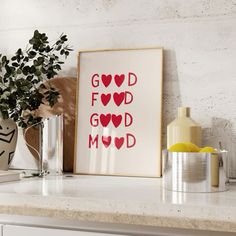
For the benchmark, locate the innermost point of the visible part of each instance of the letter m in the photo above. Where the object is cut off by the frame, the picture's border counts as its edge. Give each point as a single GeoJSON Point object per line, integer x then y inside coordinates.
{"type": "Point", "coordinates": [93, 141]}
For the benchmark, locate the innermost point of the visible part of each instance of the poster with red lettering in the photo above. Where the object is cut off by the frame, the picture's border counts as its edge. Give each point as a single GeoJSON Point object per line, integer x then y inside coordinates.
{"type": "Point", "coordinates": [119, 110]}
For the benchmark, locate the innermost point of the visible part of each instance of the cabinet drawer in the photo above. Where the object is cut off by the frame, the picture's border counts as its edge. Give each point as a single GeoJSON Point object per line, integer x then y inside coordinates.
{"type": "Point", "coordinates": [12, 230]}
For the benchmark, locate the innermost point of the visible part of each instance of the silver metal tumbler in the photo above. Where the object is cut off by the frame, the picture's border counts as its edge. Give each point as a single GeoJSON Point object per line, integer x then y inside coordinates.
{"type": "Point", "coordinates": [195, 171]}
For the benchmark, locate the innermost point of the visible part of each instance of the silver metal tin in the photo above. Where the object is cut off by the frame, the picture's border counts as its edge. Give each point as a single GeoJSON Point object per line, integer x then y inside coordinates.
{"type": "Point", "coordinates": [195, 171]}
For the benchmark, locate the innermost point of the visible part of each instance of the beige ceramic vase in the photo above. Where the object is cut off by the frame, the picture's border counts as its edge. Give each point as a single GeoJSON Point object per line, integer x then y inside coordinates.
{"type": "Point", "coordinates": [8, 139]}
{"type": "Point", "coordinates": [183, 129]}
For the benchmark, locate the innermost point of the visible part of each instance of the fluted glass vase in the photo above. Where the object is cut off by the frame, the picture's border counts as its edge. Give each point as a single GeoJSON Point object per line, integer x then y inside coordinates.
{"type": "Point", "coordinates": [49, 145]}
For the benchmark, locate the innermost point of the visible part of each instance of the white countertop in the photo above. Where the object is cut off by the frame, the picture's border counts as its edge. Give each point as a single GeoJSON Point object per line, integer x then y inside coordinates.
{"type": "Point", "coordinates": [140, 201]}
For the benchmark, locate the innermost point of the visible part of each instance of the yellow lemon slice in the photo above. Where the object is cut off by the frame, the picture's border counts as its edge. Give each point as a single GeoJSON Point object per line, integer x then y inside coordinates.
{"type": "Point", "coordinates": [179, 147]}
{"type": "Point", "coordinates": [208, 149]}
{"type": "Point", "coordinates": [193, 147]}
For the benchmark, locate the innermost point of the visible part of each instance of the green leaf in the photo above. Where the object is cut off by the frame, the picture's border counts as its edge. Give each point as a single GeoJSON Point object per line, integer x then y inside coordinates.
{"type": "Point", "coordinates": [26, 59]}
{"type": "Point", "coordinates": [19, 52]}
{"type": "Point", "coordinates": [29, 77]}
{"type": "Point", "coordinates": [36, 34]}
{"type": "Point", "coordinates": [15, 64]}
{"type": "Point", "coordinates": [64, 38]}
{"type": "Point", "coordinates": [32, 54]}
{"type": "Point", "coordinates": [58, 48]}
{"type": "Point", "coordinates": [4, 59]}
{"type": "Point", "coordinates": [32, 69]}
{"type": "Point", "coordinates": [37, 73]}
{"type": "Point", "coordinates": [22, 124]}
{"type": "Point", "coordinates": [48, 49]}
{"type": "Point", "coordinates": [18, 71]}
{"type": "Point", "coordinates": [26, 70]}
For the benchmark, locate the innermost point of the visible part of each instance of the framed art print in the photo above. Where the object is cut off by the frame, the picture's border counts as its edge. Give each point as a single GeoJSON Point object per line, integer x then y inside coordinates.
{"type": "Point", "coordinates": [119, 110]}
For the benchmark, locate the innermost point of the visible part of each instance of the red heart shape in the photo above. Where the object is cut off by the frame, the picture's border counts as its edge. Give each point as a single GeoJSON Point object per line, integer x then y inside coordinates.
{"type": "Point", "coordinates": [106, 140]}
{"type": "Point", "coordinates": [116, 120]}
{"type": "Point", "coordinates": [105, 119]}
{"type": "Point", "coordinates": [119, 79]}
{"type": "Point", "coordinates": [119, 142]}
{"type": "Point", "coordinates": [105, 98]}
{"type": "Point", "coordinates": [106, 79]}
{"type": "Point", "coordinates": [118, 98]}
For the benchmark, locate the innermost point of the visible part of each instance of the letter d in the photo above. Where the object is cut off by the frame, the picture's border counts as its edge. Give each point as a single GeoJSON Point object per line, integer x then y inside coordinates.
{"type": "Point", "coordinates": [128, 119]}
{"type": "Point", "coordinates": [130, 140]}
{"type": "Point", "coordinates": [132, 79]}
{"type": "Point", "coordinates": [128, 97]}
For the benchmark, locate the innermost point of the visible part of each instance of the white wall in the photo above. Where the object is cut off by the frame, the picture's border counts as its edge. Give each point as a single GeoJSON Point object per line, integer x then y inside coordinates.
{"type": "Point", "coordinates": [199, 37]}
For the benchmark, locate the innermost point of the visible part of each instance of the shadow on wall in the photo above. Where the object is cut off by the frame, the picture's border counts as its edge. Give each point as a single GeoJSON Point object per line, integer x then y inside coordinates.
{"type": "Point", "coordinates": [71, 72]}
{"type": "Point", "coordinates": [171, 91]}
{"type": "Point", "coordinates": [222, 131]}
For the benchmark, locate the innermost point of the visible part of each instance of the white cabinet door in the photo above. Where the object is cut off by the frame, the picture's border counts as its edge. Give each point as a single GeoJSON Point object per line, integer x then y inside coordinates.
{"type": "Point", "coordinates": [1, 230]}
{"type": "Point", "coordinates": [11, 230]}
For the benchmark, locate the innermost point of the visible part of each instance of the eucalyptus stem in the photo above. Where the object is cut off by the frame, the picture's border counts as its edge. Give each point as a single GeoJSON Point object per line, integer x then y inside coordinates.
{"type": "Point", "coordinates": [23, 78]}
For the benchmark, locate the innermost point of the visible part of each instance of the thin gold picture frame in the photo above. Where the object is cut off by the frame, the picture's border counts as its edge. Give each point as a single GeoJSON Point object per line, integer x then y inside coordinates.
{"type": "Point", "coordinates": [159, 167]}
